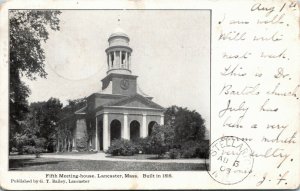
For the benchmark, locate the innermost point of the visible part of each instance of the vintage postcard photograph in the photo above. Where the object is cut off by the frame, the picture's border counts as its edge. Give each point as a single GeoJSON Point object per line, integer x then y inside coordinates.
{"type": "Point", "coordinates": [109, 90]}
{"type": "Point", "coordinates": [146, 95]}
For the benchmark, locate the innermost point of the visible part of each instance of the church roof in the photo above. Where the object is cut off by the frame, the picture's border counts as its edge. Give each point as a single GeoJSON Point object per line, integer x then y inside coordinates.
{"type": "Point", "coordinates": [141, 92]}
{"type": "Point", "coordinates": [135, 97]}
{"type": "Point", "coordinates": [135, 100]}
{"type": "Point", "coordinates": [81, 110]}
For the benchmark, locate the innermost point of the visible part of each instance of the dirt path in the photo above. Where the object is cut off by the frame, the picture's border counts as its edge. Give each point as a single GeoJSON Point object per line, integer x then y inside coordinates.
{"type": "Point", "coordinates": [103, 157]}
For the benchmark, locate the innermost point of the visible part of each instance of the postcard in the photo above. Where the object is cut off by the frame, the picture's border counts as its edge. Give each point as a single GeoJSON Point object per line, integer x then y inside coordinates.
{"type": "Point", "coordinates": [110, 95]}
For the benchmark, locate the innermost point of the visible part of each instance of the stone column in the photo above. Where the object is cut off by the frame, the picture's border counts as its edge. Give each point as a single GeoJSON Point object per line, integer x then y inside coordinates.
{"type": "Point", "coordinates": [162, 121]}
{"type": "Point", "coordinates": [120, 66]}
{"type": "Point", "coordinates": [109, 60]}
{"type": "Point", "coordinates": [144, 131]}
{"type": "Point", "coordinates": [96, 135]}
{"type": "Point", "coordinates": [126, 129]}
{"type": "Point", "coordinates": [129, 61]}
{"type": "Point", "coordinates": [105, 131]}
{"type": "Point", "coordinates": [126, 60]}
{"type": "Point", "coordinates": [114, 62]}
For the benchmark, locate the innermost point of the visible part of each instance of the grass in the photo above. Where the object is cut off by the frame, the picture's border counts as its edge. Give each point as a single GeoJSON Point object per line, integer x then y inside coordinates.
{"type": "Point", "coordinates": [30, 163]}
{"type": "Point", "coordinates": [73, 153]}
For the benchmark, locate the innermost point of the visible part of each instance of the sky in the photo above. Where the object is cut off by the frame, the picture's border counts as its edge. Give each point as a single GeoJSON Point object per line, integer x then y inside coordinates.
{"type": "Point", "coordinates": [171, 55]}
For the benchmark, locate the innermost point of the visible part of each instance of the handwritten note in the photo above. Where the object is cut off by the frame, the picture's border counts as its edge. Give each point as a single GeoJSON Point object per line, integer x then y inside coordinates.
{"type": "Point", "coordinates": [258, 87]}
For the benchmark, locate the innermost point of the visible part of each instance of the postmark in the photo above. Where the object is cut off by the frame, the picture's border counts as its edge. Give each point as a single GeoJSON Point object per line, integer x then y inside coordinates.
{"type": "Point", "coordinates": [231, 161]}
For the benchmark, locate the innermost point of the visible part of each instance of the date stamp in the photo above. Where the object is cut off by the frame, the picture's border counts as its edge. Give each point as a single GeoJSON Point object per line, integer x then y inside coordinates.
{"type": "Point", "coordinates": [231, 161]}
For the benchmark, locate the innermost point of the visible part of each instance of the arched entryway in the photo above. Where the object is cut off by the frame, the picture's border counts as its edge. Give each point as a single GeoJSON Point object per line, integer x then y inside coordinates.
{"type": "Point", "coordinates": [115, 130]}
{"type": "Point", "coordinates": [134, 130]}
{"type": "Point", "coordinates": [150, 127]}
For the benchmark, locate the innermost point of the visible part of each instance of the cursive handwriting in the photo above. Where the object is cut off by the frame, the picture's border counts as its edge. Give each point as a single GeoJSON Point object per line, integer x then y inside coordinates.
{"type": "Point", "coordinates": [277, 92]}
{"type": "Point", "coordinates": [233, 36]}
{"type": "Point", "coordinates": [267, 108]}
{"type": "Point", "coordinates": [260, 85]}
{"type": "Point", "coordinates": [247, 90]}
{"type": "Point", "coordinates": [229, 108]}
{"type": "Point", "coordinates": [281, 54]}
{"type": "Point", "coordinates": [236, 56]}
{"type": "Point", "coordinates": [273, 37]}
{"type": "Point", "coordinates": [233, 71]}
{"type": "Point", "coordinates": [273, 153]}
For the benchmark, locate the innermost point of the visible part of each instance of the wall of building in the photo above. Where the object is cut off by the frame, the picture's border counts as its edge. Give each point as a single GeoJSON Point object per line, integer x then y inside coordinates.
{"type": "Point", "coordinates": [116, 88]}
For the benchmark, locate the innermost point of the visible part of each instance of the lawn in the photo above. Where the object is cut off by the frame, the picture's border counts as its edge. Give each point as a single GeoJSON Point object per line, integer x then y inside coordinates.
{"type": "Point", "coordinates": [138, 157]}
{"type": "Point", "coordinates": [29, 163]}
{"type": "Point", "coordinates": [147, 157]}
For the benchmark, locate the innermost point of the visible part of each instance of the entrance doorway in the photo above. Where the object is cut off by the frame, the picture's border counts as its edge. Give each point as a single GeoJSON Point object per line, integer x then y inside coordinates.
{"type": "Point", "coordinates": [150, 127]}
{"type": "Point", "coordinates": [134, 130]}
{"type": "Point", "coordinates": [115, 130]}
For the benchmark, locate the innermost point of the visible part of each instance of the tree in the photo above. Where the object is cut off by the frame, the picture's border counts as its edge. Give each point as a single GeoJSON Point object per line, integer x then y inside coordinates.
{"type": "Point", "coordinates": [27, 30]}
{"type": "Point", "coordinates": [38, 130]}
{"type": "Point", "coordinates": [45, 119]}
{"type": "Point", "coordinates": [26, 141]}
{"type": "Point", "coordinates": [161, 139]}
{"type": "Point", "coordinates": [188, 125]}
{"type": "Point", "coordinates": [72, 106]}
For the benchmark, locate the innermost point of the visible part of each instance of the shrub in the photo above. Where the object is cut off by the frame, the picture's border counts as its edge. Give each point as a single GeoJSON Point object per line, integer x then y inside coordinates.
{"type": "Point", "coordinates": [14, 150]}
{"type": "Point", "coordinates": [143, 145]}
{"type": "Point", "coordinates": [202, 151]}
{"type": "Point", "coordinates": [161, 140]}
{"type": "Point", "coordinates": [188, 153]}
{"type": "Point", "coordinates": [38, 152]}
{"type": "Point", "coordinates": [122, 147]}
{"type": "Point", "coordinates": [195, 149]}
{"type": "Point", "coordinates": [28, 149]}
{"type": "Point", "coordinates": [174, 153]}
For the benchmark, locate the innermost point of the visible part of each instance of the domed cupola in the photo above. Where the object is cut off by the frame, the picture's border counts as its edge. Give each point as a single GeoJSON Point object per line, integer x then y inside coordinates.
{"type": "Point", "coordinates": [119, 53]}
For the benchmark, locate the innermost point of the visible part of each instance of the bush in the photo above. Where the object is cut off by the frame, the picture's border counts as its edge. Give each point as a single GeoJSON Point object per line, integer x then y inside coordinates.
{"type": "Point", "coordinates": [32, 150]}
{"type": "Point", "coordinates": [143, 145]}
{"type": "Point", "coordinates": [122, 147]}
{"type": "Point", "coordinates": [161, 140]}
{"type": "Point", "coordinates": [188, 153]}
{"type": "Point", "coordinates": [14, 149]}
{"type": "Point", "coordinates": [28, 149]}
{"type": "Point", "coordinates": [38, 152]}
{"type": "Point", "coordinates": [202, 151]}
{"type": "Point", "coordinates": [174, 153]}
{"type": "Point", "coordinates": [195, 149]}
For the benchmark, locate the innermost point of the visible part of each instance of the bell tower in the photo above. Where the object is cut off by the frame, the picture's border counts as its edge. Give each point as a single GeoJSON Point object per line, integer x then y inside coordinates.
{"type": "Point", "coordinates": [118, 53]}
{"type": "Point", "coordinates": [119, 79]}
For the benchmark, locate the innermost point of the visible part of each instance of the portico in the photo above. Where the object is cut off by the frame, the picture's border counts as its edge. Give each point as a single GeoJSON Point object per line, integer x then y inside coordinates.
{"type": "Point", "coordinates": [131, 125]}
